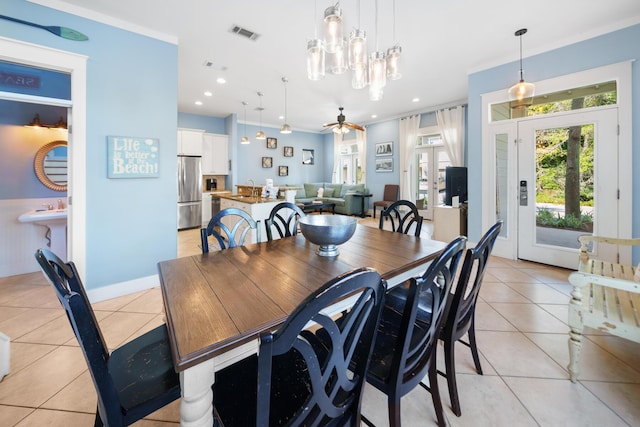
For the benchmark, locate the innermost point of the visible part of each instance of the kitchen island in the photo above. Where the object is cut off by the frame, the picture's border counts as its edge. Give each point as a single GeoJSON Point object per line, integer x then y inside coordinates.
{"type": "Point", "coordinates": [258, 207]}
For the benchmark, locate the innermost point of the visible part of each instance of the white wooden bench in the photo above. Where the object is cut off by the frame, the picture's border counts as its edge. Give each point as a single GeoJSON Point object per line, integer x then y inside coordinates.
{"type": "Point", "coordinates": [604, 297]}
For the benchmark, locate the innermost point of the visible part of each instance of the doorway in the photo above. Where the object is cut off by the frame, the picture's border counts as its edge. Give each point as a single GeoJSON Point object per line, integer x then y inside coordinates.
{"type": "Point", "coordinates": [75, 65]}
{"type": "Point", "coordinates": [567, 184]}
{"type": "Point", "coordinates": [431, 164]}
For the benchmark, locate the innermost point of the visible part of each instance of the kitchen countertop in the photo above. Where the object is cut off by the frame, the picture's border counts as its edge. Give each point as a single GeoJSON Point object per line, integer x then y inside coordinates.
{"type": "Point", "coordinates": [217, 192]}
{"type": "Point", "coordinates": [249, 199]}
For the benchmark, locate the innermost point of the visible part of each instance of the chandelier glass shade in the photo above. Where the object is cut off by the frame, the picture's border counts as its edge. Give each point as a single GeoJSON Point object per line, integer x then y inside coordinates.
{"type": "Point", "coordinates": [521, 94]}
{"type": "Point", "coordinates": [315, 60]}
{"type": "Point", "coordinates": [332, 28]}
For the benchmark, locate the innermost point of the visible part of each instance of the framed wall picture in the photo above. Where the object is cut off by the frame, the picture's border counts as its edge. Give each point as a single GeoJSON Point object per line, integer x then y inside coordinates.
{"type": "Point", "coordinates": [272, 143]}
{"type": "Point", "coordinates": [267, 162]}
{"type": "Point", "coordinates": [283, 170]}
{"type": "Point", "coordinates": [307, 156]}
{"type": "Point", "coordinates": [288, 151]}
{"type": "Point", "coordinates": [384, 165]}
{"type": "Point", "coordinates": [384, 148]}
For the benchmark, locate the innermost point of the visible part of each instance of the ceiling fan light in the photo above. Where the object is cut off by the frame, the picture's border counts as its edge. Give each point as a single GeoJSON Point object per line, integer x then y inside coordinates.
{"type": "Point", "coordinates": [393, 63]}
{"type": "Point", "coordinates": [332, 28]}
{"type": "Point", "coordinates": [341, 129]}
{"type": "Point", "coordinates": [315, 60]}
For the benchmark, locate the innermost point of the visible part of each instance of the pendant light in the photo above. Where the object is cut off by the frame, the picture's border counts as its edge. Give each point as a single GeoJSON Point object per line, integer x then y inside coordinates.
{"type": "Point", "coordinates": [260, 134]}
{"type": "Point", "coordinates": [315, 53]}
{"type": "Point", "coordinates": [285, 128]}
{"type": "Point", "coordinates": [358, 54]}
{"type": "Point", "coordinates": [245, 139]}
{"type": "Point", "coordinates": [332, 28]}
{"type": "Point", "coordinates": [377, 67]}
{"type": "Point", "coordinates": [521, 94]}
{"type": "Point", "coordinates": [393, 53]}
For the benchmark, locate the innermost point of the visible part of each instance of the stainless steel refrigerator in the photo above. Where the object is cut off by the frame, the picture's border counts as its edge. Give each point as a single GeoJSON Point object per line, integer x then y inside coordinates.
{"type": "Point", "coordinates": [189, 192]}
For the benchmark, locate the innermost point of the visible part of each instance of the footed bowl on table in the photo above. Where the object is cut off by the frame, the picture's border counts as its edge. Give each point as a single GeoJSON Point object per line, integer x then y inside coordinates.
{"type": "Point", "coordinates": [328, 231]}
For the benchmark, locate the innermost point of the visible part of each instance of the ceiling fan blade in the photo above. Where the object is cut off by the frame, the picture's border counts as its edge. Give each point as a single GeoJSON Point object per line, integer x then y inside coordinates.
{"type": "Point", "coordinates": [353, 126]}
{"type": "Point", "coordinates": [331, 124]}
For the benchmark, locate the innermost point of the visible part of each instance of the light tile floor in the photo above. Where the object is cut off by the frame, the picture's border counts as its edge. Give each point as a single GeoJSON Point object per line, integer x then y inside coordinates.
{"type": "Point", "coordinates": [522, 335]}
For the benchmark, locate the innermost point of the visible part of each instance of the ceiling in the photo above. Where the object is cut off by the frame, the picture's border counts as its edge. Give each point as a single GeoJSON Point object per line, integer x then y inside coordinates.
{"type": "Point", "coordinates": [442, 43]}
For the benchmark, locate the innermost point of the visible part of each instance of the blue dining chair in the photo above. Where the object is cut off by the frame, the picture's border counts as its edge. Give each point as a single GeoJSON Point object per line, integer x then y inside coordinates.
{"type": "Point", "coordinates": [137, 378]}
{"type": "Point", "coordinates": [234, 236]}
{"type": "Point", "coordinates": [311, 371]}
{"type": "Point", "coordinates": [284, 217]}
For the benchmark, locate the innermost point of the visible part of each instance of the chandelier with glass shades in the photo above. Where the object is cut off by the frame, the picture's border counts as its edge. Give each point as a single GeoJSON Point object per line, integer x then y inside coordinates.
{"type": "Point", "coordinates": [335, 54]}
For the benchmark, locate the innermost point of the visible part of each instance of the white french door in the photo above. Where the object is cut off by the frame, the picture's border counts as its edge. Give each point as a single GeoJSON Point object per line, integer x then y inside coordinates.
{"type": "Point", "coordinates": [431, 164]}
{"type": "Point", "coordinates": [547, 233]}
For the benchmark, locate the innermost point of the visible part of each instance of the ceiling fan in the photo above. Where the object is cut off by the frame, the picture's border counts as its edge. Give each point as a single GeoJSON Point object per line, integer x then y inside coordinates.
{"type": "Point", "coordinates": [341, 126]}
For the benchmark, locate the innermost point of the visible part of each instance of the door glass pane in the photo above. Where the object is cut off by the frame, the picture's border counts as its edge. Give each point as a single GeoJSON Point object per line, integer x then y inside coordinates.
{"type": "Point", "coordinates": [564, 184]}
{"type": "Point", "coordinates": [443, 162]}
{"type": "Point", "coordinates": [423, 177]}
{"type": "Point", "coordinates": [502, 176]}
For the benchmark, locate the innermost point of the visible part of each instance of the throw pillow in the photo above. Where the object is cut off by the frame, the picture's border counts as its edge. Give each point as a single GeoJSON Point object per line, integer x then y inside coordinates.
{"type": "Point", "coordinates": [320, 193]}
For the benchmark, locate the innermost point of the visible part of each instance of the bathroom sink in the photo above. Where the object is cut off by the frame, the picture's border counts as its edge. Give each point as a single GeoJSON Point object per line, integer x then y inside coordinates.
{"type": "Point", "coordinates": [44, 216]}
{"type": "Point", "coordinates": [56, 221]}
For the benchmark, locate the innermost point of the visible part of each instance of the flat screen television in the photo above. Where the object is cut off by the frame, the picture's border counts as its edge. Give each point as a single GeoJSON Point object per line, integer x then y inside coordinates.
{"type": "Point", "coordinates": [455, 184]}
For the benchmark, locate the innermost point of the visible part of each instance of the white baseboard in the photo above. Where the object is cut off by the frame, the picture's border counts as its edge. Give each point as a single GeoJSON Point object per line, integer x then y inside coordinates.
{"type": "Point", "coordinates": [123, 288]}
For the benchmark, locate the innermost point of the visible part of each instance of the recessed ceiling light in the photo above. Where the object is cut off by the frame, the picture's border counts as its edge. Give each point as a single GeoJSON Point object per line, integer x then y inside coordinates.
{"type": "Point", "coordinates": [198, 102]}
{"type": "Point", "coordinates": [221, 80]}
{"type": "Point", "coordinates": [415, 100]}
{"type": "Point", "coordinates": [208, 93]}
{"type": "Point", "coordinates": [373, 116]}
{"type": "Point", "coordinates": [280, 117]}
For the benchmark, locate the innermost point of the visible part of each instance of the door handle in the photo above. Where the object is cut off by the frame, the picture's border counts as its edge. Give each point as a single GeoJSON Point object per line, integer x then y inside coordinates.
{"type": "Point", "coordinates": [524, 198]}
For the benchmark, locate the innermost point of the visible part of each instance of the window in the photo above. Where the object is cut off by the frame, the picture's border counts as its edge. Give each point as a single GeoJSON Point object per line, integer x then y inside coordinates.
{"type": "Point", "coordinates": [350, 169]}
{"type": "Point", "coordinates": [572, 99]}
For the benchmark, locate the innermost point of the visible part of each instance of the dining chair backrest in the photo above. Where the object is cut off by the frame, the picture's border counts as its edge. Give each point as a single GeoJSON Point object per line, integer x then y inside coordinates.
{"type": "Point", "coordinates": [405, 348]}
{"type": "Point", "coordinates": [311, 370]}
{"type": "Point", "coordinates": [234, 235]}
{"type": "Point", "coordinates": [136, 379]}
{"type": "Point", "coordinates": [284, 217]}
{"type": "Point", "coordinates": [460, 318]}
{"type": "Point", "coordinates": [467, 289]}
{"type": "Point", "coordinates": [403, 216]}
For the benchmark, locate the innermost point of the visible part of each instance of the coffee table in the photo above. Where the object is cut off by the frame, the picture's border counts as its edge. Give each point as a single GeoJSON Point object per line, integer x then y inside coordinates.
{"type": "Point", "coordinates": [318, 207]}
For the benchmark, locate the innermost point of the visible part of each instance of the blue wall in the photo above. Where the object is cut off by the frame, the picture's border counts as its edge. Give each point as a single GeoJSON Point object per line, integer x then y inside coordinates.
{"type": "Point", "coordinates": [131, 91]}
{"type": "Point", "coordinates": [608, 49]}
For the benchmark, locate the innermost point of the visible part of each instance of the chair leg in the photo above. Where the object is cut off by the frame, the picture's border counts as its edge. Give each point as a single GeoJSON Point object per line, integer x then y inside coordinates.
{"type": "Point", "coordinates": [435, 393]}
{"type": "Point", "coordinates": [98, 421]}
{"type": "Point", "coordinates": [450, 363]}
{"type": "Point", "coordinates": [394, 411]}
{"type": "Point", "coordinates": [474, 347]}
{"type": "Point", "coordinates": [374, 212]}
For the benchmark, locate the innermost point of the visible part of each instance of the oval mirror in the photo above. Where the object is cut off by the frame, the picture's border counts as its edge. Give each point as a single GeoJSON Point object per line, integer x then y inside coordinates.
{"type": "Point", "coordinates": [50, 165]}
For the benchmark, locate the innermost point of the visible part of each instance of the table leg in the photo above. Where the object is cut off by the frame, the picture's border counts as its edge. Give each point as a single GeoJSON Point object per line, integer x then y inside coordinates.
{"type": "Point", "coordinates": [196, 408]}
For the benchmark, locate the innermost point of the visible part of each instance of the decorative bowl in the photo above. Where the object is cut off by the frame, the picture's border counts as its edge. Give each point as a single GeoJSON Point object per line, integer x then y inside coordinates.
{"type": "Point", "coordinates": [327, 231]}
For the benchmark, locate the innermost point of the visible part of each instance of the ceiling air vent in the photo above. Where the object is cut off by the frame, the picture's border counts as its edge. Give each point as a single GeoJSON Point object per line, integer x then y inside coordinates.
{"type": "Point", "coordinates": [244, 32]}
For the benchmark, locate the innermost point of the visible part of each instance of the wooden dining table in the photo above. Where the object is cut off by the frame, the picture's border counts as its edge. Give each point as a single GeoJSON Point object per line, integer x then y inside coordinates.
{"type": "Point", "coordinates": [217, 304]}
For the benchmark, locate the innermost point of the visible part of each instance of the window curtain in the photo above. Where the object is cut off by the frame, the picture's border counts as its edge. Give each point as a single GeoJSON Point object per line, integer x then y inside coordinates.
{"type": "Point", "coordinates": [408, 136]}
{"type": "Point", "coordinates": [451, 124]}
{"type": "Point", "coordinates": [337, 142]}
{"type": "Point", "coordinates": [361, 140]}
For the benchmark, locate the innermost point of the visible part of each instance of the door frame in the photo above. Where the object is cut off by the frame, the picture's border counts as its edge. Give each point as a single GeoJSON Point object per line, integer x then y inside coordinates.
{"type": "Point", "coordinates": [621, 73]}
{"type": "Point", "coordinates": [76, 65]}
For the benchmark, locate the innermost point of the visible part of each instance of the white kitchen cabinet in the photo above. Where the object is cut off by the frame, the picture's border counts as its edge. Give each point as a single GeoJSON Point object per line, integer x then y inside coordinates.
{"type": "Point", "coordinates": [190, 142]}
{"type": "Point", "coordinates": [206, 208]}
{"type": "Point", "coordinates": [215, 154]}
